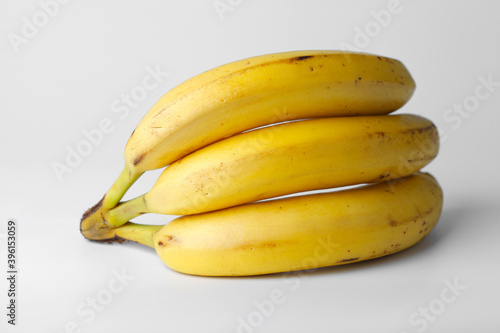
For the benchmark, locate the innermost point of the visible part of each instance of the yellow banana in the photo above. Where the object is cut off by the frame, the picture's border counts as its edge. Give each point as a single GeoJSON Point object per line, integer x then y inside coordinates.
{"type": "Point", "coordinates": [254, 92]}
{"type": "Point", "coordinates": [297, 233]}
{"type": "Point", "coordinates": [283, 159]}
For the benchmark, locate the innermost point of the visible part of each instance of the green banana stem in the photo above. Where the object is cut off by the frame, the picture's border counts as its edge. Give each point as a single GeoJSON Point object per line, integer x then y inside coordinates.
{"type": "Point", "coordinates": [119, 187]}
{"type": "Point", "coordinates": [126, 211]}
{"type": "Point", "coordinates": [140, 233]}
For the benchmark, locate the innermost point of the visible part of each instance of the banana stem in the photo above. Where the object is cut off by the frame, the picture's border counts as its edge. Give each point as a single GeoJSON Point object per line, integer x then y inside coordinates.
{"type": "Point", "coordinates": [140, 233]}
{"type": "Point", "coordinates": [120, 186]}
{"type": "Point", "coordinates": [94, 222]}
{"type": "Point", "coordinates": [126, 211]}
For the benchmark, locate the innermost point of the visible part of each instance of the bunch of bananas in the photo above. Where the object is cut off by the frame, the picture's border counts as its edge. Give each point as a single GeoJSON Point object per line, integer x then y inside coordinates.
{"type": "Point", "coordinates": [238, 136]}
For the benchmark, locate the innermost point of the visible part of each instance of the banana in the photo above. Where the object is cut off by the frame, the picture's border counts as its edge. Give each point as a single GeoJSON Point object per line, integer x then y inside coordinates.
{"type": "Point", "coordinates": [282, 159]}
{"type": "Point", "coordinates": [297, 233]}
{"type": "Point", "coordinates": [258, 91]}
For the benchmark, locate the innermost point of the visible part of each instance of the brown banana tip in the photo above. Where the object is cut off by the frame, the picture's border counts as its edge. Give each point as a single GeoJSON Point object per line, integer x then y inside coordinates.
{"type": "Point", "coordinates": [93, 209]}
{"type": "Point", "coordinates": [93, 226]}
{"type": "Point", "coordinates": [115, 239]}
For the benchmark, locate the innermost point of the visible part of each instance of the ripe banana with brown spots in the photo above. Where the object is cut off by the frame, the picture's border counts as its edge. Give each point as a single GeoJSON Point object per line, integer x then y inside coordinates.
{"type": "Point", "coordinates": [279, 160]}
{"type": "Point", "coordinates": [297, 233]}
{"type": "Point", "coordinates": [258, 91]}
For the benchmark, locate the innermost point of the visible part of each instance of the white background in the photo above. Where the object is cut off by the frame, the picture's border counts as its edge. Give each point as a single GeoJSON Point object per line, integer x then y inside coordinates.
{"type": "Point", "coordinates": [69, 73]}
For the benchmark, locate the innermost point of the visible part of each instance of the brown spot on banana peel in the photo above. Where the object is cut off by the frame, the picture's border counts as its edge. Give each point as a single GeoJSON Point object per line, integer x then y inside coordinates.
{"type": "Point", "coordinates": [347, 260]}
{"type": "Point", "coordinates": [412, 131]}
{"type": "Point", "coordinates": [139, 158]}
{"type": "Point", "coordinates": [300, 58]}
{"type": "Point", "coordinates": [388, 60]}
{"type": "Point", "coordinates": [167, 239]}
